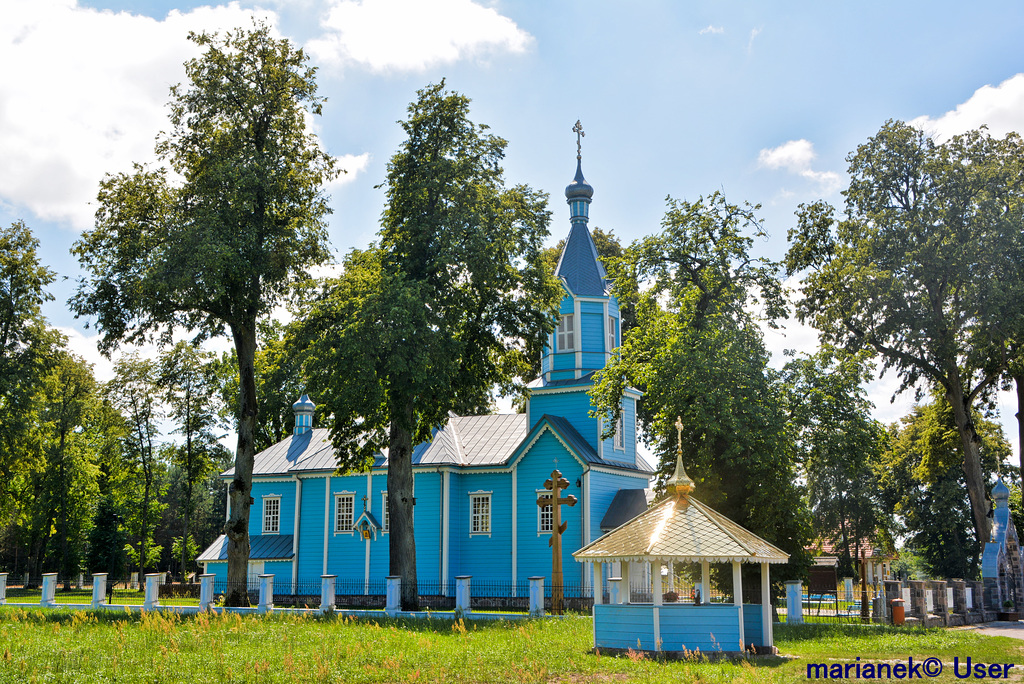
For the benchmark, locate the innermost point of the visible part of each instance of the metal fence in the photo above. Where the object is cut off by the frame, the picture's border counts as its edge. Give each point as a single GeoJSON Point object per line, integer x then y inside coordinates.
{"type": "Point", "coordinates": [834, 606]}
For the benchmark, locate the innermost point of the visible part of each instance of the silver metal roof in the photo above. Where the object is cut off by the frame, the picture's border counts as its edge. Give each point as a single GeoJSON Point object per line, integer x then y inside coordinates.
{"type": "Point", "coordinates": [261, 547]}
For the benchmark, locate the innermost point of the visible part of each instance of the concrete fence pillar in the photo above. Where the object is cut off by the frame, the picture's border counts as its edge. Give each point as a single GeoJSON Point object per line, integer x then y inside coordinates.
{"type": "Point", "coordinates": [266, 594]}
{"type": "Point", "coordinates": [794, 602]}
{"type": "Point", "coordinates": [206, 591]}
{"type": "Point", "coordinates": [49, 589]}
{"type": "Point", "coordinates": [25, 579]}
{"type": "Point", "coordinates": [3, 588]}
{"type": "Point", "coordinates": [462, 594]}
{"type": "Point", "coordinates": [614, 590]}
{"type": "Point", "coordinates": [81, 581]}
{"type": "Point", "coordinates": [536, 596]}
{"type": "Point", "coordinates": [848, 588]}
{"type": "Point", "coordinates": [918, 607]}
{"type": "Point", "coordinates": [938, 588]}
{"type": "Point", "coordinates": [394, 595]}
{"type": "Point", "coordinates": [152, 591]}
{"type": "Point", "coordinates": [99, 589]}
{"type": "Point", "coordinates": [134, 582]}
{"type": "Point", "coordinates": [327, 593]}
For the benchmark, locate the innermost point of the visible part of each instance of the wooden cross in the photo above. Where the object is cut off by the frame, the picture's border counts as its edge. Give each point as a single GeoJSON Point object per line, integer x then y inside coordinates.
{"type": "Point", "coordinates": [555, 485]}
{"type": "Point", "coordinates": [578, 130]}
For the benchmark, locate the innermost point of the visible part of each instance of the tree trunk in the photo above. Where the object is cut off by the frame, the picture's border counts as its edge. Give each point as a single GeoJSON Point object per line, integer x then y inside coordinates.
{"type": "Point", "coordinates": [1018, 380]}
{"type": "Point", "coordinates": [969, 441]}
{"type": "Point", "coordinates": [240, 491]}
{"type": "Point", "coordinates": [401, 542]}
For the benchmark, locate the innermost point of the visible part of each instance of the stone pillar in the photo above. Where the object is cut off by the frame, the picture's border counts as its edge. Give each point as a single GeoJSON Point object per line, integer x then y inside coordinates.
{"type": "Point", "coordinates": [81, 581]}
{"type": "Point", "coordinates": [394, 595]}
{"type": "Point", "coordinates": [3, 588]}
{"type": "Point", "coordinates": [327, 593]}
{"type": "Point", "coordinates": [939, 601]}
{"type": "Point", "coordinates": [152, 591]}
{"type": "Point", "coordinates": [25, 580]}
{"type": "Point", "coordinates": [892, 590]}
{"type": "Point", "coordinates": [614, 590]}
{"type": "Point", "coordinates": [917, 601]}
{"type": "Point", "coordinates": [536, 596]}
{"type": "Point", "coordinates": [959, 596]}
{"type": "Point", "coordinates": [134, 582]}
{"type": "Point", "coordinates": [206, 591]}
{"type": "Point", "coordinates": [99, 589]}
{"type": "Point", "coordinates": [266, 594]}
{"type": "Point", "coordinates": [463, 595]}
{"type": "Point", "coordinates": [49, 588]}
{"type": "Point", "coordinates": [848, 587]}
{"type": "Point", "coordinates": [794, 602]}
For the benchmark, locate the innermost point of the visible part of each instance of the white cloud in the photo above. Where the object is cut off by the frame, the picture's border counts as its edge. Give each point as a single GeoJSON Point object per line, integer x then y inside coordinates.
{"type": "Point", "coordinates": [753, 34]}
{"type": "Point", "coordinates": [795, 157]}
{"type": "Point", "coordinates": [1000, 107]}
{"type": "Point", "coordinates": [711, 29]}
{"type": "Point", "coordinates": [412, 35]}
{"type": "Point", "coordinates": [354, 164]}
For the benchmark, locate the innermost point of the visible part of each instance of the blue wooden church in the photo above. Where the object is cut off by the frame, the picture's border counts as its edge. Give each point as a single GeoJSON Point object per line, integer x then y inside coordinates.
{"type": "Point", "coordinates": [477, 480]}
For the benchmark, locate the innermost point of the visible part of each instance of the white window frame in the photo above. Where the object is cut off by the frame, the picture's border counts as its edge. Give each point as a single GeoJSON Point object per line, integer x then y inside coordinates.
{"type": "Point", "coordinates": [611, 333]}
{"type": "Point", "coordinates": [566, 333]}
{"type": "Point", "coordinates": [619, 443]}
{"type": "Point", "coordinates": [549, 518]}
{"type": "Point", "coordinates": [480, 523]}
{"type": "Point", "coordinates": [385, 517]}
{"type": "Point", "coordinates": [274, 516]}
{"type": "Point", "coordinates": [350, 497]}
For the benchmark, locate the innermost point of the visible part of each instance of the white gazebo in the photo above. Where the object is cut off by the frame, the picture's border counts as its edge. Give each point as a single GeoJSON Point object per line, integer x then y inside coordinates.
{"type": "Point", "coordinates": [681, 529]}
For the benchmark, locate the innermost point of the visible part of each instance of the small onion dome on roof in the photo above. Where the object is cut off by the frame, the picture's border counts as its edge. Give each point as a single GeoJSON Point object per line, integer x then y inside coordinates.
{"type": "Point", "coordinates": [304, 405]}
{"type": "Point", "coordinates": [1000, 492]}
{"type": "Point", "coordinates": [579, 188]}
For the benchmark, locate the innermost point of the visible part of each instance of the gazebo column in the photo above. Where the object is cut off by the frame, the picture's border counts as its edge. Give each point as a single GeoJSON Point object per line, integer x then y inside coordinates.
{"type": "Point", "coordinates": [598, 583]}
{"type": "Point", "coordinates": [625, 574]}
{"type": "Point", "coordinates": [737, 599]}
{"type": "Point", "coordinates": [705, 582]}
{"type": "Point", "coordinates": [766, 607]}
{"type": "Point", "coordinates": [656, 580]}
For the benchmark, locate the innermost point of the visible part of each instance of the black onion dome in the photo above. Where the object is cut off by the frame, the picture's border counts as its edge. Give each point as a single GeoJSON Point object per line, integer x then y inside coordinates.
{"type": "Point", "coordinates": [579, 188]}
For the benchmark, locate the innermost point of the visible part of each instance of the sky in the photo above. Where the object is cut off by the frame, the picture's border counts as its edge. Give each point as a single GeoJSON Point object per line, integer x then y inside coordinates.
{"type": "Point", "coordinates": [762, 101]}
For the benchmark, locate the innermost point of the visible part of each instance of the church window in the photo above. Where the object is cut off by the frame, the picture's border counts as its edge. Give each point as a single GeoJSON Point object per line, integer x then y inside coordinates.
{"type": "Point", "coordinates": [344, 507]}
{"type": "Point", "coordinates": [271, 515]}
{"type": "Point", "coordinates": [620, 438]}
{"type": "Point", "coordinates": [480, 513]}
{"type": "Point", "coordinates": [611, 333]}
{"type": "Point", "coordinates": [544, 517]}
{"type": "Point", "coordinates": [385, 516]}
{"type": "Point", "coordinates": [566, 337]}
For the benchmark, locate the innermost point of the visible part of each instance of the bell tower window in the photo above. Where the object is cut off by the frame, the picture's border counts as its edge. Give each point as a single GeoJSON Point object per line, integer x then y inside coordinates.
{"type": "Point", "coordinates": [566, 333]}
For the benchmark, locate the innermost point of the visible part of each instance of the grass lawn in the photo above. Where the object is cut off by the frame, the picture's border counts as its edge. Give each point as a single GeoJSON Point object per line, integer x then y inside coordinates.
{"type": "Point", "coordinates": [73, 646]}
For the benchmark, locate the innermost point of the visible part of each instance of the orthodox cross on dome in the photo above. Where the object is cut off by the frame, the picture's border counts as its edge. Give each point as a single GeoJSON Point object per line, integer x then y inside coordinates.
{"type": "Point", "coordinates": [578, 130]}
{"type": "Point", "coordinates": [680, 482]}
{"type": "Point", "coordinates": [555, 485]}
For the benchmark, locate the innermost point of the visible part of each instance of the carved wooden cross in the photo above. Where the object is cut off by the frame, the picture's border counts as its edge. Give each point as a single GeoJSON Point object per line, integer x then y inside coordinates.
{"type": "Point", "coordinates": [555, 485]}
{"type": "Point", "coordinates": [578, 130]}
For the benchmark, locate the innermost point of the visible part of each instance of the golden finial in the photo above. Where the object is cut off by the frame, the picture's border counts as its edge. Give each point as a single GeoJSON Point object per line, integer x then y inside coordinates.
{"type": "Point", "coordinates": [680, 482]}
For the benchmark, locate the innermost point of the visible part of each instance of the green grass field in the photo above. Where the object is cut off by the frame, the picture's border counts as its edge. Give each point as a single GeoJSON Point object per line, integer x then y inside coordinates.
{"type": "Point", "coordinates": [74, 646]}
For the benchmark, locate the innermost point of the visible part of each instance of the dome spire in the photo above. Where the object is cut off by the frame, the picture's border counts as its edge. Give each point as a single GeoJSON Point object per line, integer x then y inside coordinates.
{"type": "Point", "coordinates": [680, 483]}
{"type": "Point", "coordinates": [579, 193]}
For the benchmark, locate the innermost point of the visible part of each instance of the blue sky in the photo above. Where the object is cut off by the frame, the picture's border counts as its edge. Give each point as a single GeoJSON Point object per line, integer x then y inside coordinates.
{"type": "Point", "coordinates": [760, 100]}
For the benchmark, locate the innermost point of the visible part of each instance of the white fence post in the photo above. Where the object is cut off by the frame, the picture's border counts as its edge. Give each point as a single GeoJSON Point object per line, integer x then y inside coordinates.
{"type": "Point", "coordinates": [394, 595]}
{"type": "Point", "coordinates": [152, 591]}
{"type": "Point", "coordinates": [99, 589]}
{"type": "Point", "coordinates": [536, 596]}
{"type": "Point", "coordinates": [81, 581]}
{"type": "Point", "coordinates": [462, 594]}
{"type": "Point", "coordinates": [614, 590]}
{"type": "Point", "coordinates": [794, 602]}
{"type": "Point", "coordinates": [266, 593]}
{"type": "Point", "coordinates": [206, 591]}
{"type": "Point", "coordinates": [327, 592]}
{"type": "Point", "coordinates": [49, 588]}
{"type": "Point", "coordinates": [134, 582]}
{"type": "Point", "coordinates": [3, 588]}
{"type": "Point", "coordinates": [848, 586]}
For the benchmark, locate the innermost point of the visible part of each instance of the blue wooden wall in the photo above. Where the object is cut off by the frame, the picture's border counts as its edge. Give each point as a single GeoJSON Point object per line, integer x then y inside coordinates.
{"type": "Point", "coordinates": [704, 628]}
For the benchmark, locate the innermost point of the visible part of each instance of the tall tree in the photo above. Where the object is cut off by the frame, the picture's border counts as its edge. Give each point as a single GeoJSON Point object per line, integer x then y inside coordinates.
{"type": "Point", "coordinates": [439, 313]}
{"type": "Point", "coordinates": [907, 272]}
{"type": "Point", "coordinates": [215, 252]}
{"type": "Point", "coordinates": [189, 381]}
{"type": "Point", "coordinates": [134, 392]}
{"type": "Point", "coordinates": [921, 479]}
{"type": "Point", "coordinates": [838, 444]}
{"type": "Point", "coordinates": [697, 353]}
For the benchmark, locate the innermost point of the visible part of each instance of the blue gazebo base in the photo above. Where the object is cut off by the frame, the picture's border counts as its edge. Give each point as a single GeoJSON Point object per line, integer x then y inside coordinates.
{"type": "Point", "coordinates": [677, 628]}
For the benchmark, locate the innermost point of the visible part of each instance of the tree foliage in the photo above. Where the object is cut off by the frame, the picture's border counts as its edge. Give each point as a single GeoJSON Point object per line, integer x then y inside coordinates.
{"type": "Point", "coordinates": [437, 314]}
{"type": "Point", "coordinates": [697, 354]}
{"type": "Point", "coordinates": [917, 269]}
{"type": "Point", "coordinates": [213, 253]}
